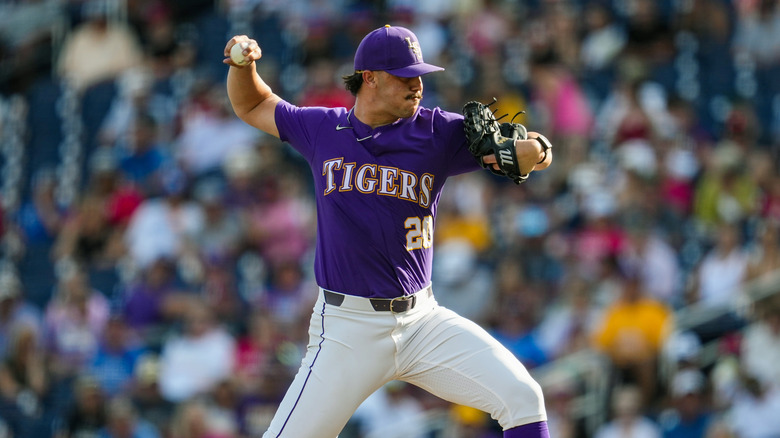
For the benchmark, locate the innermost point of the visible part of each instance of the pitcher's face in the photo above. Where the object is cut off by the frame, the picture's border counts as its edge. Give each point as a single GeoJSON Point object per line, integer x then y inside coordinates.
{"type": "Point", "coordinates": [402, 96]}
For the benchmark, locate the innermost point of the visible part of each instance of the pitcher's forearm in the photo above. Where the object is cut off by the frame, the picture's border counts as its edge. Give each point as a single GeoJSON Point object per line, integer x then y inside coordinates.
{"type": "Point", "coordinates": [246, 89]}
{"type": "Point", "coordinates": [252, 99]}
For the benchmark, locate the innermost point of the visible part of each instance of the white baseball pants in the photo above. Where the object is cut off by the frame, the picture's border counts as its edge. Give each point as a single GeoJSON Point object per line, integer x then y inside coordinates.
{"type": "Point", "coordinates": [353, 350]}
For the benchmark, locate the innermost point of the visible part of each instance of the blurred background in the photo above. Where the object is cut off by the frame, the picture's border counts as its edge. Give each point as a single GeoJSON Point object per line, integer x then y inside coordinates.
{"type": "Point", "coordinates": [155, 273]}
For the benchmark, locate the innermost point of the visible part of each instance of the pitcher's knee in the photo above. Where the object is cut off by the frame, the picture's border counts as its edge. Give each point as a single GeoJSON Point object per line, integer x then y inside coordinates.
{"type": "Point", "coordinates": [523, 403]}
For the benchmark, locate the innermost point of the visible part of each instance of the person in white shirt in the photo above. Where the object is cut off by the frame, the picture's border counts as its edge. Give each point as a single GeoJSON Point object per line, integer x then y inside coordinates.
{"type": "Point", "coordinates": [722, 271]}
{"type": "Point", "coordinates": [628, 421]}
{"type": "Point", "coordinates": [194, 362]}
{"type": "Point", "coordinates": [760, 348]}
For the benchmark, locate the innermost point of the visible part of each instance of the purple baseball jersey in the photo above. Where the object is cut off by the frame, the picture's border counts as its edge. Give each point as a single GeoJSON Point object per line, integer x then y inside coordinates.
{"type": "Point", "coordinates": [377, 192]}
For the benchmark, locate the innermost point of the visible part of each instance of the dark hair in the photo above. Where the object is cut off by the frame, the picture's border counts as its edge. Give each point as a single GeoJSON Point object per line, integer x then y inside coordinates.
{"type": "Point", "coordinates": [353, 82]}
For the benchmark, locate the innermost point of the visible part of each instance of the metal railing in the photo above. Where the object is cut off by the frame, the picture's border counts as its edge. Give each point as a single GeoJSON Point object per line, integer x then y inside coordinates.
{"type": "Point", "coordinates": [13, 128]}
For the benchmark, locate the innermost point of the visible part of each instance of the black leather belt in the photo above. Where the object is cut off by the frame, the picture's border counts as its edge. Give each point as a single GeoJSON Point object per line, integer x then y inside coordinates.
{"type": "Point", "coordinates": [395, 305]}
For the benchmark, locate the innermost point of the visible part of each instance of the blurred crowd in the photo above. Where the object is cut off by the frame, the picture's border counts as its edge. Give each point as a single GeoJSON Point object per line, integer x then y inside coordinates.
{"type": "Point", "coordinates": [170, 296]}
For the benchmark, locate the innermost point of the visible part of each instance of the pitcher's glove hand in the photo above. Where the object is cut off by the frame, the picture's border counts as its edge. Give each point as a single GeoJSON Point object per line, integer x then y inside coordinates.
{"type": "Point", "coordinates": [486, 136]}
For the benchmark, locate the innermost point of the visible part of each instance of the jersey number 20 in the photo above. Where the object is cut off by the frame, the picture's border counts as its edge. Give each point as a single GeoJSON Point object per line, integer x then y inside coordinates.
{"type": "Point", "coordinates": [420, 234]}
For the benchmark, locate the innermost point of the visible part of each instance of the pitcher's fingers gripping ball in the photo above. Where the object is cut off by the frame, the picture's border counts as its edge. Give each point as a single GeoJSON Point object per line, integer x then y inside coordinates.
{"type": "Point", "coordinates": [241, 51]}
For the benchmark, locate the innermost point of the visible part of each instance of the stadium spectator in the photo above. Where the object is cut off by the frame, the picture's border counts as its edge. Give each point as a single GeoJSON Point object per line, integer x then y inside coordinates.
{"type": "Point", "coordinates": [760, 346]}
{"type": "Point", "coordinates": [559, 396]}
{"type": "Point", "coordinates": [152, 300]}
{"type": "Point", "coordinates": [688, 415]}
{"type": "Point", "coordinates": [466, 283]}
{"type": "Point", "coordinates": [742, 127]}
{"type": "Point", "coordinates": [568, 323]}
{"type": "Point", "coordinates": [288, 296]}
{"type": "Point", "coordinates": [114, 363]}
{"type": "Point", "coordinates": [164, 226]}
{"type": "Point", "coordinates": [513, 323]}
{"type": "Point", "coordinates": [659, 267]}
{"type": "Point", "coordinates": [88, 238]}
{"type": "Point", "coordinates": [625, 114]}
{"type": "Point", "coordinates": [99, 48]}
{"type": "Point", "coordinates": [636, 177]}
{"type": "Point", "coordinates": [145, 395]}
{"type": "Point", "coordinates": [137, 96]}
{"type": "Point", "coordinates": [190, 421]}
{"type": "Point", "coordinates": [122, 421]}
{"type": "Point", "coordinates": [770, 207]}
{"type": "Point", "coordinates": [255, 350]}
{"type": "Point", "coordinates": [602, 42]}
{"type": "Point", "coordinates": [86, 416]}
{"type": "Point", "coordinates": [257, 407]}
{"type": "Point", "coordinates": [631, 334]}
{"type": "Point", "coordinates": [376, 414]}
{"type": "Point", "coordinates": [487, 27]}
{"type": "Point", "coordinates": [220, 238]}
{"type": "Point", "coordinates": [107, 185]}
{"type": "Point", "coordinates": [242, 170]}
{"type": "Point", "coordinates": [40, 219]}
{"type": "Point", "coordinates": [209, 132]}
{"type": "Point", "coordinates": [15, 311]}
{"type": "Point", "coordinates": [677, 172]}
{"type": "Point", "coordinates": [493, 84]}
{"type": "Point", "coordinates": [201, 341]}
{"type": "Point", "coordinates": [323, 89]}
{"type": "Point", "coordinates": [221, 406]}
{"type": "Point", "coordinates": [463, 213]}
{"type": "Point", "coordinates": [27, 31]}
{"type": "Point", "coordinates": [74, 322]}
{"type": "Point", "coordinates": [561, 102]}
{"type": "Point", "coordinates": [144, 157]}
{"type": "Point", "coordinates": [280, 225]}
{"type": "Point", "coordinates": [757, 31]}
{"type": "Point", "coordinates": [38, 224]}
{"type": "Point", "coordinates": [682, 349]}
{"type": "Point", "coordinates": [25, 382]}
{"type": "Point", "coordinates": [721, 272]}
{"type": "Point", "coordinates": [725, 192]}
{"type": "Point", "coordinates": [218, 288]}
{"type": "Point", "coordinates": [753, 408]}
{"type": "Point", "coordinates": [764, 259]}
{"type": "Point", "coordinates": [600, 237]}
{"type": "Point", "coordinates": [628, 418]}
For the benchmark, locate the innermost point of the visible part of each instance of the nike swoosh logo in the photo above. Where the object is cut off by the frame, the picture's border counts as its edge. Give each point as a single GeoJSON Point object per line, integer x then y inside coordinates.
{"type": "Point", "coordinates": [339, 127]}
{"type": "Point", "coordinates": [365, 138]}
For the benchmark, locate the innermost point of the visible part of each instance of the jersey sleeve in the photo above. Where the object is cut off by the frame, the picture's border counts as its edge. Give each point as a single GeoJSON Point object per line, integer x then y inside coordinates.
{"type": "Point", "coordinates": [298, 126]}
{"type": "Point", "coordinates": [449, 130]}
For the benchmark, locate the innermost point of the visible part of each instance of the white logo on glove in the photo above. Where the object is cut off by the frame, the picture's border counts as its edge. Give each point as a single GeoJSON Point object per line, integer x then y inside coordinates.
{"type": "Point", "coordinates": [506, 157]}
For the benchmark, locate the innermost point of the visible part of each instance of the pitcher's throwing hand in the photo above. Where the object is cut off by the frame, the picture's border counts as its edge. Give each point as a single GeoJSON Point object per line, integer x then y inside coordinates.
{"type": "Point", "coordinates": [241, 51]}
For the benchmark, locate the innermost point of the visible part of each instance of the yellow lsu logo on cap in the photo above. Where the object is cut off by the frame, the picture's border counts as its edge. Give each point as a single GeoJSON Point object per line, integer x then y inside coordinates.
{"type": "Point", "coordinates": [414, 46]}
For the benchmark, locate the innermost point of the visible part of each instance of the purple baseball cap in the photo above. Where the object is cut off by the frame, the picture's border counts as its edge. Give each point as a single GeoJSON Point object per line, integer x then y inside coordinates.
{"type": "Point", "coordinates": [393, 49]}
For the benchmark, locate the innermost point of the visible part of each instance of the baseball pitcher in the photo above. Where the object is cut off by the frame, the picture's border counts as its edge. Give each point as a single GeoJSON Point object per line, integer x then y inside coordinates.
{"type": "Point", "coordinates": [379, 169]}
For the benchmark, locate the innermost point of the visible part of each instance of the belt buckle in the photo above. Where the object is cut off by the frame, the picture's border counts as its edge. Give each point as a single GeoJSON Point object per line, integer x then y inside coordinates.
{"type": "Point", "coordinates": [405, 299]}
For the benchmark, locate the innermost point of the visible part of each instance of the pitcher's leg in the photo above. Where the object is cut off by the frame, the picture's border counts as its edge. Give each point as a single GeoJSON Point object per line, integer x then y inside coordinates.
{"type": "Point", "coordinates": [457, 360]}
{"type": "Point", "coordinates": [345, 362]}
{"type": "Point", "coordinates": [531, 430]}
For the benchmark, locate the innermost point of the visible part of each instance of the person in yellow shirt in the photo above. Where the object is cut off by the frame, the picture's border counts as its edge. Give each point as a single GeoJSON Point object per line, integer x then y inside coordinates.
{"type": "Point", "coordinates": [631, 334]}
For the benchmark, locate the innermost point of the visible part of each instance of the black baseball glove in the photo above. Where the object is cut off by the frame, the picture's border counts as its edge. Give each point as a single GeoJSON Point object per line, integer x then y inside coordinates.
{"type": "Point", "coordinates": [486, 136]}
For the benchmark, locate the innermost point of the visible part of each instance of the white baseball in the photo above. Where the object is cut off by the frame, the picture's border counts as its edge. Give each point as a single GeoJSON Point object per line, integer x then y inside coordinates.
{"type": "Point", "coordinates": [237, 55]}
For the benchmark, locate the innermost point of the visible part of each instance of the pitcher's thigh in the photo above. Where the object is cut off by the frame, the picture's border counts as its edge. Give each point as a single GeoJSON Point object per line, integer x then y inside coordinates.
{"type": "Point", "coordinates": [457, 360]}
{"type": "Point", "coordinates": [338, 372]}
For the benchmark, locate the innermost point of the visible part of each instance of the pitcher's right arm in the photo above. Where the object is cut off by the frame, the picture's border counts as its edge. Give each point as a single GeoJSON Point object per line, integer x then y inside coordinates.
{"type": "Point", "coordinates": [252, 99]}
